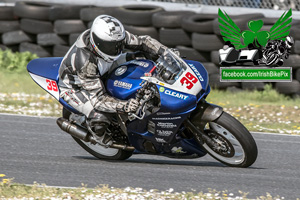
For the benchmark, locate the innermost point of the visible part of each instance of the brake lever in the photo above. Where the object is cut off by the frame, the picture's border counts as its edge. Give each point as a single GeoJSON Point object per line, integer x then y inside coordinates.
{"type": "Point", "coordinates": [132, 116]}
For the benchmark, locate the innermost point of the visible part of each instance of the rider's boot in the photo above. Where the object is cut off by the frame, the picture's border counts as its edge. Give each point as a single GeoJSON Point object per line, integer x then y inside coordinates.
{"type": "Point", "coordinates": [99, 123]}
{"type": "Point", "coordinates": [101, 134]}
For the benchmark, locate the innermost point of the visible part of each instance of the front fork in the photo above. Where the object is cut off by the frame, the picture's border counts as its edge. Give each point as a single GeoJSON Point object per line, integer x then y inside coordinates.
{"type": "Point", "coordinates": [203, 114]}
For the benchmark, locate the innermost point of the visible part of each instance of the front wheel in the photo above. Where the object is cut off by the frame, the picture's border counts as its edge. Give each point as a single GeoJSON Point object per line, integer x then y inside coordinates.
{"type": "Point", "coordinates": [97, 150]}
{"type": "Point", "coordinates": [232, 144]}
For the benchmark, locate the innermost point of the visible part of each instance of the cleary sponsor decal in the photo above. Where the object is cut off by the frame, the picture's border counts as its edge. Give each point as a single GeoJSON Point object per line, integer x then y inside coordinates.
{"type": "Point", "coordinates": [176, 94]}
{"type": "Point", "coordinates": [196, 72]}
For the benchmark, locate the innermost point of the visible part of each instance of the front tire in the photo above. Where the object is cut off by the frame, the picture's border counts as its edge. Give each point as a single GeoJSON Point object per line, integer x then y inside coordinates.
{"type": "Point", "coordinates": [234, 145]}
{"type": "Point", "coordinates": [97, 150]}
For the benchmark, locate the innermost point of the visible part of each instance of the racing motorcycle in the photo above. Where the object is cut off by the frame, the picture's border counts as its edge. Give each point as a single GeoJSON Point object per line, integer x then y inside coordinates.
{"type": "Point", "coordinates": [277, 50]}
{"type": "Point", "coordinates": [173, 120]}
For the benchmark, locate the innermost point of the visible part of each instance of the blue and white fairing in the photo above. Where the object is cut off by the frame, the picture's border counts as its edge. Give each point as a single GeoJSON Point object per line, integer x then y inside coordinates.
{"type": "Point", "coordinates": [160, 129]}
{"type": "Point", "coordinates": [178, 100]}
{"type": "Point", "coordinates": [44, 71]}
{"type": "Point", "coordinates": [124, 81]}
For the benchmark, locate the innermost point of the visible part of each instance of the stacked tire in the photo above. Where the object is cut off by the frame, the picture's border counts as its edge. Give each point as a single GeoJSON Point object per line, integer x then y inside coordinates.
{"type": "Point", "coordinates": [45, 28]}
{"type": "Point", "coordinates": [9, 23]}
{"type": "Point", "coordinates": [137, 19]}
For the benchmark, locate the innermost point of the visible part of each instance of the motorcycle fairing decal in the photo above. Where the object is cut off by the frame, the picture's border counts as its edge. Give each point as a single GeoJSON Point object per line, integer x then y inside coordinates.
{"type": "Point", "coordinates": [141, 142]}
{"type": "Point", "coordinates": [124, 86]}
{"type": "Point", "coordinates": [166, 127]}
{"type": "Point", "coordinates": [143, 63]}
{"type": "Point", "coordinates": [175, 94]}
{"type": "Point", "coordinates": [196, 72]}
{"type": "Point", "coordinates": [121, 70]}
{"type": "Point", "coordinates": [186, 83]}
{"type": "Point", "coordinates": [189, 80]}
{"type": "Point", "coordinates": [177, 85]}
{"type": "Point", "coordinates": [156, 129]}
{"type": "Point", "coordinates": [198, 68]}
{"type": "Point", "coordinates": [175, 102]}
{"type": "Point", "coordinates": [47, 84]}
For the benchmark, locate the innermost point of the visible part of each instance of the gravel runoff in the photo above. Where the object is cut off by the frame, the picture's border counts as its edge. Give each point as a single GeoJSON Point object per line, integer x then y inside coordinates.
{"type": "Point", "coordinates": [105, 193]}
{"type": "Point", "coordinates": [102, 192]}
{"type": "Point", "coordinates": [29, 104]}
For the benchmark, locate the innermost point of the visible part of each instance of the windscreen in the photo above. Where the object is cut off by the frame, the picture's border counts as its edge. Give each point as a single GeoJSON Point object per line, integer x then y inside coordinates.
{"type": "Point", "coordinates": [170, 66]}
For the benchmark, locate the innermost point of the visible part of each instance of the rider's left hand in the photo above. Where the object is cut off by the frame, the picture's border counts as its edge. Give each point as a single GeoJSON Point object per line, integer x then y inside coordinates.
{"type": "Point", "coordinates": [175, 51]}
{"type": "Point", "coordinates": [135, 56]}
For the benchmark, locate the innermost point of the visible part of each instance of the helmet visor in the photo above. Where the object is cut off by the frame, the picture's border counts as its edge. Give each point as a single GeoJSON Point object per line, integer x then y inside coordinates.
{"type": "Point", "coordinates": [112, 48]}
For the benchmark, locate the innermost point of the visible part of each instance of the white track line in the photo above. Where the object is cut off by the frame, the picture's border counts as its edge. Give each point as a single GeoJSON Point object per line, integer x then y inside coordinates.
{"type": "Point", "coordinates": [21, 115]}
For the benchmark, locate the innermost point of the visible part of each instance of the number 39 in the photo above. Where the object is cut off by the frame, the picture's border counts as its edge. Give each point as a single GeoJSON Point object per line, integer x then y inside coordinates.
{"type": "Point", "coordinates": [189, 79]}
{"type": "Point", "coordinates": [51, 85]}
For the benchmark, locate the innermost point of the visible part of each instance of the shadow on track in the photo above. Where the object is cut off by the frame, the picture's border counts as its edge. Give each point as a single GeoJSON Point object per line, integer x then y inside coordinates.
{"type": "Point", "coordinates": [159, 162]}
{"type": "Point", "coordinates": [179, 162]}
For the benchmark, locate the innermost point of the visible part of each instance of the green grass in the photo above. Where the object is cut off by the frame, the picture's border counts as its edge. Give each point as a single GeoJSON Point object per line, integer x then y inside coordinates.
{"type": "Point", "coordinates": [267, 97]}
{"type": "Point", "coordinates": [266, 110]}
{"type": "Point", "coordinates": [18, 82]}
{"type": "Point", "coordinates": [9, 190]}
{"type": "Point", "coordinates": [19, 94]}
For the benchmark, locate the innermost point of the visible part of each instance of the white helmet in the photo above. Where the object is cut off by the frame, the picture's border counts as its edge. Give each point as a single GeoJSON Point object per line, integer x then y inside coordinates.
{"type": "Point", "coordinates": [289, 41]}
{"type": "Point", "coordinates": [107, 37]}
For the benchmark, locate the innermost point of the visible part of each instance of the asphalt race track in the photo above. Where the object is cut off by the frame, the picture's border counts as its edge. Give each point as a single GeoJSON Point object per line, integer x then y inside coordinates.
{"type": "Point", "coordinates": [35, 149]}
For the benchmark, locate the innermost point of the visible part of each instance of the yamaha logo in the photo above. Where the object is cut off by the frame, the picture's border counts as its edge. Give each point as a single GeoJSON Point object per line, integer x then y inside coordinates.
{"type": "Point", "coordinates": [121, 70]}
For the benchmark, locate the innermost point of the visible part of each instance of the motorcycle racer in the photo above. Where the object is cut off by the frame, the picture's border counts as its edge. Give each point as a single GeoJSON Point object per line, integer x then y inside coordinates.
{"type": "Point", "coordinates": [97, 52]}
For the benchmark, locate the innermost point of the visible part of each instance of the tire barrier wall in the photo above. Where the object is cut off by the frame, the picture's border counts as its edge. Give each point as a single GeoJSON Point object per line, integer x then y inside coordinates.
{"type": "Point", "coordinates": [50, 29]}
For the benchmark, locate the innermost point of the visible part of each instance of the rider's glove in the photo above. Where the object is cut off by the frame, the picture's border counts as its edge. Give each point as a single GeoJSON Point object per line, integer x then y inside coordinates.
{"type": "Point", "coordinates": [175, 51]}
{"type": "Point", "coordinates": [135, 55]}
{"type": "Point", "coordinates": [129, 106]}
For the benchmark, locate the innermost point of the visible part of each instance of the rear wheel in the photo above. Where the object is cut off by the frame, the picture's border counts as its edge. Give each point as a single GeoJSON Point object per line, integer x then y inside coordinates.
{"type": "Point", "coordinates": [99, 151]}
{"type": "Point", "coordinates": [232, 144]}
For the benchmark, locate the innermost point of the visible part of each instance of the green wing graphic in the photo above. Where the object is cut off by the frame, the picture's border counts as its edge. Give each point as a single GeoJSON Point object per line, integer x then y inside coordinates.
{"type": "Point", "coordinates": [282, 27]}
{"type": "Point", "coordinates": [229, 30]}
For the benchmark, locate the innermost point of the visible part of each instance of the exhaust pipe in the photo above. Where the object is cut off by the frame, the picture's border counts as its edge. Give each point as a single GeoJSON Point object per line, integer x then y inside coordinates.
{"type": "Point", "coordinates": [74, 130]}
{"type": "Point", "coordinates": [82, 133]}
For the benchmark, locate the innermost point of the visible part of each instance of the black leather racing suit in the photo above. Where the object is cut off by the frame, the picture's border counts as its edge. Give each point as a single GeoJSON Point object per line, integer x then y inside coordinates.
{"type": "Point", "coordinates": [81, 71]}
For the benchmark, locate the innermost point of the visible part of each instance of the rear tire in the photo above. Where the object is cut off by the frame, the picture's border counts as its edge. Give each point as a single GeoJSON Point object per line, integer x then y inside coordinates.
{"type": "Point", "coordinates": [97, 150]}
{"type": "Point", "coordinates": [237, 147]}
